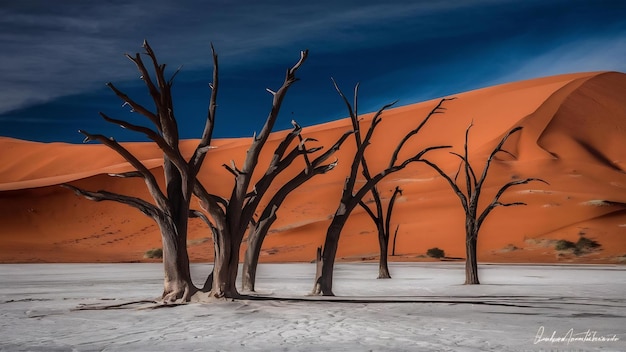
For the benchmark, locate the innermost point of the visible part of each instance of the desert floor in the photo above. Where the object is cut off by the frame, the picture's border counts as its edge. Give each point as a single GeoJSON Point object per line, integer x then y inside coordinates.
{"type": "Point", "coordinates": [424, 307]}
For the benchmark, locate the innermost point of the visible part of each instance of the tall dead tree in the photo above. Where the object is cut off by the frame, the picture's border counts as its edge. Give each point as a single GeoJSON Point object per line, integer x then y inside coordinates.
{"type": "Point", "coordinates": [378, 217]}
{"type": "Point", "coordinates": [351, 197]}
{"type": "Point", "coordinates": [233, 215]}
{"type": "Point", "coordinates": [382, 220]}
{"type": "Point", "coordinates": [469, 195]}
{"type": "Point", "coordinates": [258, 229]}
{"type": "Point", "coordinates": [171, 206]}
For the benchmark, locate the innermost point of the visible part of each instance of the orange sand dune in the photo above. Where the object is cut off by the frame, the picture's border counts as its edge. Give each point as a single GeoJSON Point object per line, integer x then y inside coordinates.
{"type": "Point", "coordinates": [573, 137]}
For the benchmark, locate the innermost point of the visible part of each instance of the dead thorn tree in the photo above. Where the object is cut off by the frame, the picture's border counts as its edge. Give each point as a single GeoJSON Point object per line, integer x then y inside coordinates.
{"type": "Point", "coordinates": [233, 216]}
{"type": "Point", "coordinates": [259, 228]}
{"type": "Point", "coordinates": [351, 197]}
{"type": "Point", "coordinates": [383, 227]}
{"type": "Point", "coordinates": [171, 207]}
{"type": "Point", "coordinates": [379, 218]}
{"type": "Point", "coordinates": [469, 195]}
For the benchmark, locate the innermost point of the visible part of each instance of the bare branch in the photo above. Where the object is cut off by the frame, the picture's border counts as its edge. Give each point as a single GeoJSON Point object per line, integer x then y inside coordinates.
{"type": "Point", "coordinates": [325, 168]}
{"type": "Point", "coordinates": [173, 154]}
{"type": "Point", "coordinates": [232, 169]}
{"type": "Point", "coordinates": [452, 183]}
{"type": "Point", "coordinates": [207, 134]}
{"type": "Point", "coordinates": [392, 201]}
{"type": "Point", "coordinates": [496, 200]}
{"type": "Point", "coordinates": [137, 203]}
{"type": "Point", "coordinates": [210, 202]}
{"type": "Point", "coordinates": [134, 105]}
{"type": "Point", "coordinates": [330, 151]}
{"type": "Point", "coordinates": [437, 109]}
{"type": "Point", "coordinates": [259, 141]}
{"type": "Point", "coordinates": [497, 149]}
{"type": "Point", "coordinates": [369, 211]}
{"type": "Point", "coordinates": [305, 154]}
{"type": "Point", "coordinates": [126, 174]}
{"type": "Point", "coordinates": [158, 68]}
{"type": "Point", "coordinates": [278, 164]}
{"type": "Point", "coordinates": [200, 215]}
{"type": "Point", "coordinates": [291, 72]}
{"type": "Point", "coordinates": [507, 152]}
{"type": "Point", "coordinates": [163, 101]}
{"type": "Point", "coordinates": [469, 172]}
{"type": "Point", "coordinates": [376, 178]}
{"type": "Point", "coordinates": [252, 156]}
{"type": "Point", "coordinates": [351, 110]}
{"type": "Point", "coordinates": [469, 177]}
{"type": "Point", "coordinates": [360, 153]}
{"type": "Point", "coordinates": [145, 76]}
{"type": "Point", "coordinates": [150, 180]}
{"type": "Point", "coordinates": [170, 82]}
{"type": "Point", "coordinates": [510, 204]}
{"type": "Point", "coordinates": [458, 171]}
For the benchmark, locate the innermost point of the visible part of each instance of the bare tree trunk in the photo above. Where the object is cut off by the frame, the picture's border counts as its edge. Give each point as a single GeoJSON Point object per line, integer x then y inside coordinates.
{"type": "Point", "coordinates": [251, 257]}
{"type": "Point", "coordinates": [384, 232]}
{"type": "Point", "coordinates": [324, 283]}
{"type": "Point", "coordinates": [223, 280]}
{"type": "Point", "coordinates": [250, 263]}
{"type": "Point", "coordinates": [383, 267]}
{"type": "Point", "coordinates": [319, 263]}
{"type": "Point", "coordinates": [223, 285]}
{"type": "Point", "coordinates": [177, 284]}
{"type": "Point", "coordinates": [471, 262]}
{"type": "Point", "coordinates": [233, 267]}
{"type": "Point", "coordinates": [395, 235]}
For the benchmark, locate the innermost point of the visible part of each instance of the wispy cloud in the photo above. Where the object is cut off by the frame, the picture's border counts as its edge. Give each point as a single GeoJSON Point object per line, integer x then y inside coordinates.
{"type": "Point", "coordinates": [587, 54]}
{"type": "Point", "coordinates": [53, 50]}
{"type": "Point", "coordinates": [406, 49]}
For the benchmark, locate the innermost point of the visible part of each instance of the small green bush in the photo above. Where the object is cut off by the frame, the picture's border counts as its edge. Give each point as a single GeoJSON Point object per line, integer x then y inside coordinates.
{"type": "Point", "coordinates": [154, 253]}
{"type": "Point", "coordinates": [435, 253]}
{"type": "Point", "coordinates": [582, 246]}
{"type": "Point", "coordinates": [563, 245]}
{"type": "Point", "coordinates": [587, 243]}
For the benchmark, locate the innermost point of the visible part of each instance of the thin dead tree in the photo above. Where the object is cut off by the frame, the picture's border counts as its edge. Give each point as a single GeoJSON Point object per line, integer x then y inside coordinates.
{"type": "Point", "coordinates": [351, 197]}
{"type": "Point", "coordinates": [378, 217]}
{"type": "Point", "coordinates": [171, 207]}
{"type": "Point", "coordinates": [382, 220]}
{"type": "Point", "coordinates": [395, 236]}
{"type": "Point", "coordinates": [258, 229]}
{"type": "Point", "coordinates": [232, 216]}
{"type": "Point", "coordinates": [469, 195]}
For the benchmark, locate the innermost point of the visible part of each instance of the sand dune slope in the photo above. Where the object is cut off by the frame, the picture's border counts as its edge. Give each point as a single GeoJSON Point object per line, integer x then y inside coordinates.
{"type": "Point", "coordinates": [573, 137]}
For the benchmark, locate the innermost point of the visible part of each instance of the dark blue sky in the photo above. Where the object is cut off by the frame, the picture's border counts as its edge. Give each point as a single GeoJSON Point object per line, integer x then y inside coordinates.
{"type": "Point", "coordinates": [56, 56]}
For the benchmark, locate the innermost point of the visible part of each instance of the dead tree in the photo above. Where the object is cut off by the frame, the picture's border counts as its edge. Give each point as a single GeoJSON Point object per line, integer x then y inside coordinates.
{"type": "Point", "coordinates": [382, 221]}
{"type": "Point", "coordinates": [379, 218]}
{"type": "Point", "coordinates": [171, 206]}
{"type": "Point", "coordinates": [395, 236]}
{"type": "Point", "coordinates": [351, 197]}
{"type": "Point", "coordinates": [258, 229]}
{"type": "Point", "coordinates": [469, 195]}
{"type": "Point", "coordinates": [233, 215]}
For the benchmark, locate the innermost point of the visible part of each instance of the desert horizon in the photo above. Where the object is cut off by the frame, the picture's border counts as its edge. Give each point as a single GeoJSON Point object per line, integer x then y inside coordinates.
{"type": "Point", "coordinates": [572, 131]}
